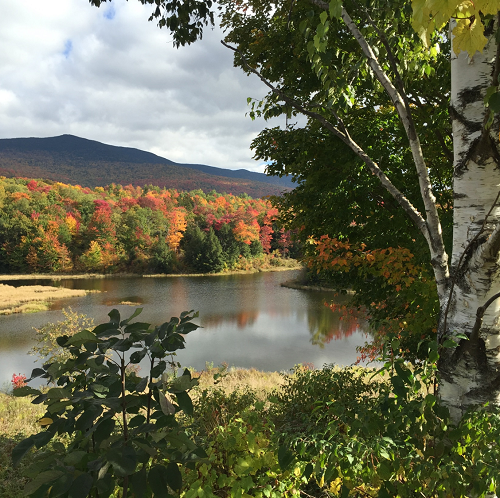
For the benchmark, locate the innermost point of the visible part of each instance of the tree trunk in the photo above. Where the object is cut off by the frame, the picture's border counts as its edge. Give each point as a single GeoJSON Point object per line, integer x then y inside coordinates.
{"type": "Point", "coordinates": [470, 373]}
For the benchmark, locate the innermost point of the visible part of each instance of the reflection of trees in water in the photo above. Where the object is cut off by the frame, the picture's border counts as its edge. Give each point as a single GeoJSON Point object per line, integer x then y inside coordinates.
{"type": "Point", "coordinates": [241, 319]}
{"type": "Point", "coordinates": [326, 324]}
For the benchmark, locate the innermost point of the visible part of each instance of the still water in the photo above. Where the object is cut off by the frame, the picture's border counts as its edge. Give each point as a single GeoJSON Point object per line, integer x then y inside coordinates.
{"type": "Point", "coordinates": [248, 320]}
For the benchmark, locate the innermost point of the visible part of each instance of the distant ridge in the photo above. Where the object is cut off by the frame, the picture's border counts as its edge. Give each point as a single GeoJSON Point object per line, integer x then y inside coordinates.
{"type": "Point", "coordinates": [72, 159]}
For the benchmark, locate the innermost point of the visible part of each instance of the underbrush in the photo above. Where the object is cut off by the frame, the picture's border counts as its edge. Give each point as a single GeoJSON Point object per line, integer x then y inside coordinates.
{"type": "Point", "coordinates": [332, 432]}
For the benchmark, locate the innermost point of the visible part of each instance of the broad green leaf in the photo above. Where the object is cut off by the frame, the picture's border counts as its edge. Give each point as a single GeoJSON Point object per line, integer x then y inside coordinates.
{"type": "Point", "coordinates": [174, 477]}
{"type": "Point", "coordinates": [183, 383]}
{"type": "Point", "coordinates": [61, 486]}
{"type": "Point", "coordinates": [285, 457]}
{"type": "Point", "coordinates": [137, 356]}
{"type": "Point", "coordinates": [42, 478]}
{"type": "Point", "coordinates": [74, 457]}
{"type": "Point", "coordinates": [141, 385]}
{"type": "Point", "coordinates": [81, 337]}
{"type": "Point", "coordinates": [36, 372]}
{"type": "Point", "coordinates": [335, 9]}
{"type": "Point", "coordinates": [21, 448]}
{"type": "Point", "coordinates": [494, 102]}
{"type": "Point", "coordinates": [114, 316]}
{"type": "Point", "coordinates": [42, 438]}
{"type": "Point", "coordinates": [87, 418]}
{"type": "Point", "coordinates": [167, 407]}
{"type": "Point", "coordinates": [137, 312]}
{"type": "Point", "coordinates": [81, 486]}
{"type": "Point", "coordinates": [25, 391]}
{"type": "Point", "coordinates": [139, 483]}
{"type": "Point", "coordinates": [123, 460]}
{"type": "Point", "coordinates": [158, 481]}
{"type": "Point", "coordinates": [184, 402]}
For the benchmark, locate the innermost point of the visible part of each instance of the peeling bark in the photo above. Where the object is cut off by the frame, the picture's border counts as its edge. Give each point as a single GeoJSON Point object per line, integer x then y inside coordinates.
{"type": "Point", "coordinates": [470, 374]}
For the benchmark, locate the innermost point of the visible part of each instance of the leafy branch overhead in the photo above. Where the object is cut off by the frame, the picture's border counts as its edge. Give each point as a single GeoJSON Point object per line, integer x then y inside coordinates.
{"type": "Point", "coordinates": [469, 19]}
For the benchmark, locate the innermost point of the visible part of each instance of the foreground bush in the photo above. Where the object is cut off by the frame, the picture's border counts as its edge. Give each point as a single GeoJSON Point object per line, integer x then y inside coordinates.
{"type": "Point", "coordinates": [323, 433]}
{"type": "Point", "coordinates": [119, 431]}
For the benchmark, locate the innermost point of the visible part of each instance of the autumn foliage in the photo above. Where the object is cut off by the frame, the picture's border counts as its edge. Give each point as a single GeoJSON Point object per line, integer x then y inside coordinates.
{"type": "Point", "coordinates": [52, 227]}
{"type": "Point", "coordinates": [400, 305]}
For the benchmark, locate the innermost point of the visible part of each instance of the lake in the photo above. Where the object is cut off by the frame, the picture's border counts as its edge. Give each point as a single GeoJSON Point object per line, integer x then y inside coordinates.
{"type": "Point", "coordinates": [248, 320]}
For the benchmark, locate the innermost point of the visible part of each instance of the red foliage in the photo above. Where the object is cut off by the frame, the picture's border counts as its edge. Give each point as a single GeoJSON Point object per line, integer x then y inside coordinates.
{"type": "Point", "coordinates": [18, 381]}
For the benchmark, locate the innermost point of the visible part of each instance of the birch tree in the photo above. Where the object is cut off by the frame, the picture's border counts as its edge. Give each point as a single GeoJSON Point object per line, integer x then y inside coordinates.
{"type": "Point", "coordinates": [467, 285]}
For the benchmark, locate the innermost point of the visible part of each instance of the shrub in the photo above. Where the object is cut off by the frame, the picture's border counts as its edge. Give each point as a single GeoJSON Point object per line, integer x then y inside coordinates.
{"type": "Point", "coordinates": [242, 453]}
{"type": "Point", "coordinates": [47, 348]}
{"type": "Point", "coordinates": [120, 429]}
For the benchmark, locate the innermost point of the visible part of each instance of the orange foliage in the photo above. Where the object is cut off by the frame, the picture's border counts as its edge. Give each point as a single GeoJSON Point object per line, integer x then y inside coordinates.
{"type": "Point", "coordinates": [178, 226]}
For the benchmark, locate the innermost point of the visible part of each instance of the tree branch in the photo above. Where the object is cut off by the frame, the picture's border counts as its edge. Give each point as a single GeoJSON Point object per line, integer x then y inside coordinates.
{"type": "Point", "coordinates": [412, 212]}
{"type": "Point", "coordinates": [439, 257]}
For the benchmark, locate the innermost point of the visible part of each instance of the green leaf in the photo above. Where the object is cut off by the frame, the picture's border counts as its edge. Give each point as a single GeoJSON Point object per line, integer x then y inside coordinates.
{"type": "Point", "coordinates": [184, 402]}
{"type": "Point", "coordinates": [74, 457]}
{"type": "Point", "coordinates": [42, 478]}
{"type": "Point", "coordinates": [494, 102]}
{"type": "Point", "coordinates": [137, 312]}
{"type": "Point", "coordinates": [449, 343]}
{"type": "Point", "coordinates": [285, 457]}
{"type": "Point", "coordinates": [114, 317]}
{"type": "Point", "coordinates": [36, 372]}
{"type": "Point", "coordinates": [81, 486]}
{"type": "Point", "coordinates": [104, 429]}
{"type": "Point", "coordinates": [87, 418]}
{"type": "Point", "coordinates": [21, 448]}
{"type": "Point", "coordinates": [124, 460]}
{"type": "Point", "coordinates": [61, 486]}
{"type": "Point", "coordinates": [137, 327]}
{"type": "Point", "coordinates": [137, 356]}
{"type": "Point", "coordinates": [158, 481]}
{"type": "Point", "coordinates": [174, 477]}
{"type": "Point", "coordinates": [106, 330]}
{"type": "Point", "coordinates": [141, 385]}
{"type": "Point", "coordinates": [158, 369]}
{"type": "Point", "coordinates": [335, 9]}
{"type": "Point", "coordinates": [139, 483]}
{"type": "Point", "coordinates": [183, 383]}
{"type": "Point", "coordinates": [323, 17]}
{"type": "Point", "coordinates": [25, 391]}
{"type": "Point", "coordinates": [81, 337]}
{"type": "Point", "coordinates": [42, 438]}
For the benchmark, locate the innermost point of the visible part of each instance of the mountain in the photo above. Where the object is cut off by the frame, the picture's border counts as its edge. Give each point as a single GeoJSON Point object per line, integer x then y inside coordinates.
{"type": "Point", "coordinates": [89, 163]}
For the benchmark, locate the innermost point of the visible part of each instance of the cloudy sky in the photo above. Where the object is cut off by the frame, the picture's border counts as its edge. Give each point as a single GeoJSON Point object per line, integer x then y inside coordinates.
{"type": "Point", "coordinates": [108, 74]}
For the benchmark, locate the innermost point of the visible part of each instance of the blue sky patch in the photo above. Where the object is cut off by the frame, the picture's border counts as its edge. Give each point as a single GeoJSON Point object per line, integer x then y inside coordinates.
{"type": "Point", "coordinates": [110, 12]}
{"type": "Point", "coordinates": [68, 48]}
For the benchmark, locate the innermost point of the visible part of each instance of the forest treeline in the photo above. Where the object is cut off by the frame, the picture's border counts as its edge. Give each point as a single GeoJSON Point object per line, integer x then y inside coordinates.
{"type": "Point", "coordinates": [52, 227]}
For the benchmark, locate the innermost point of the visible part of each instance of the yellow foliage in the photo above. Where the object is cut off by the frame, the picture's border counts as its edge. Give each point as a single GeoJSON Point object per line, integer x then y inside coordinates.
{"type": "Point", "coordinates": [432, 15]}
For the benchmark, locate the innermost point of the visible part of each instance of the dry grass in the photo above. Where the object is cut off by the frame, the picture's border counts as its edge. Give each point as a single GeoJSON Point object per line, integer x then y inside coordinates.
{"type": "Point", "coordinates": [262, 383]}
{"type": "Point", "coordinates": [17, 421]}
{"type": "Point", "coordinates": [29, 298]}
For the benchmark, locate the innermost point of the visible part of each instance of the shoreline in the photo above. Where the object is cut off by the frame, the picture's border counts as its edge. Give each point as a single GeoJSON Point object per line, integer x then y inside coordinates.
{"type": "Point", "coordinates": [295, 284]}
{"type": "Point", "coordinates": [33, 298]}
{"type": "Point", "coordinates": [83, 276]}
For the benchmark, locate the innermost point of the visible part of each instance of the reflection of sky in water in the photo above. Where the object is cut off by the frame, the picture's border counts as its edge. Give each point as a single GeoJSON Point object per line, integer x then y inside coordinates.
{"type": "Point", "coordinates": [247, 320]}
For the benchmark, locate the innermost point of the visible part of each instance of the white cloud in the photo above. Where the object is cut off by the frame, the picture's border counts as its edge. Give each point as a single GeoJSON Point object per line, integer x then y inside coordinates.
{"type": "Point", "coordinates": [110, 75]}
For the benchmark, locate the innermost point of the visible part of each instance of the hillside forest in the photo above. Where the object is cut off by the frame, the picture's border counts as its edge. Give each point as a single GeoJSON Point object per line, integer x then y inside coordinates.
{"type": "Point", "coordinates": [52, 227]}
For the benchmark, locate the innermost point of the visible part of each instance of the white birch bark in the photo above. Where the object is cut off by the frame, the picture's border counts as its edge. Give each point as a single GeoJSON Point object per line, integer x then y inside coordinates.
{"type": "Point", "coordinates": [470, 374]}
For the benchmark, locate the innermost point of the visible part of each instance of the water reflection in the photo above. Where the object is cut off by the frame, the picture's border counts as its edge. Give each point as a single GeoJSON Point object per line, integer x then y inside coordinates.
{"type": "Point", "coordinates": [247, 320]}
